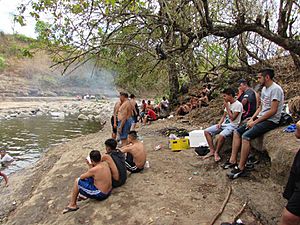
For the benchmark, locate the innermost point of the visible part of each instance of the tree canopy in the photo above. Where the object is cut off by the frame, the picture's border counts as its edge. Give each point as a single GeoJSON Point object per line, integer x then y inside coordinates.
{"type": "Point", "coordinates": [167, 40]}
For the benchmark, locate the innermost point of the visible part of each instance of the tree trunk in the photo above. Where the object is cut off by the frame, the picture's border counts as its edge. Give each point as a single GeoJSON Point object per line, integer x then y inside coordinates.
{"type": "Point", "coordinates": [296, 60]}
{"type": "Point", "coordinates": [173, 81]}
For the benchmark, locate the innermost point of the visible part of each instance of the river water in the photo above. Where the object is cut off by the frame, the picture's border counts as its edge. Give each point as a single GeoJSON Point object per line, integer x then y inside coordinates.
{"type": "Point", "coordinates": [26, 139]}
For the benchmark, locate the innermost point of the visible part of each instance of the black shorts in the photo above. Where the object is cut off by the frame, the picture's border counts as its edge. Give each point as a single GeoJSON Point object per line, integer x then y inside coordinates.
{"type": "Point", "coordinates": [293, 205]}
{"type": "Point", "coordinates": [130, 165]}
{"type": "Point", "coordinates": [114, 129]}
{"type": "Point", "coordinates": [135, 119]}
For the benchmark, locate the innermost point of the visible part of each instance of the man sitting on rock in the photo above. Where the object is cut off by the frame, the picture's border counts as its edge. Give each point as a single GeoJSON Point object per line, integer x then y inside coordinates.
{"type": "Point", "coordinates": [228, 123]}
{"type": "Point", "coordinates": [95, 183]}
{"type": "Point", "coordinates": [291, 213]}
{"type": "Point", "coordinates": [184, 109]}
{"type": "Point", "coordinates": [266, 118]}
{"type": "Point", "coordinates": [247, 97]}
{"type": "Point", "coordinates": [150, 116]}
{"type": "Point", "coordinates": [136, 153]}
{"type": "Point", "coordinates": [125, 118]}
{"type": "Point", "coordinates": [116, 161]}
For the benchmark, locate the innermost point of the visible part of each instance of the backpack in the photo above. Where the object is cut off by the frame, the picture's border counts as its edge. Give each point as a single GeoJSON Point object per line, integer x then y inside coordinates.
{"type": "Point", "coordinates": [202, 150]}
{"type": "Point", "coordinates": [285, 119]}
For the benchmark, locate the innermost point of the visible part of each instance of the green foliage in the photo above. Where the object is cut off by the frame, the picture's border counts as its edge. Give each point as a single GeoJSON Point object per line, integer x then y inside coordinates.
{"type": "Point", "coordinates": [23, 38]}
{"type": "Point", "coordinates": [124, 36]}
{"type": "Point", "coordinates": [2, 62]}
{"type": "Point", "coordinates": [42, 30]}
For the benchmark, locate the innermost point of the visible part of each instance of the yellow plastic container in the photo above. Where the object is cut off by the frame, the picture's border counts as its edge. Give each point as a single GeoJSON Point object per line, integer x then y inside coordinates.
{"type": "Point", "coordinates": [179, 144]}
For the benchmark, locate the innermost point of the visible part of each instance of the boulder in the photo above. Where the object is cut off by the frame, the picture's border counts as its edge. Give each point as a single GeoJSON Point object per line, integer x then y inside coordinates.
{"type": "Point", "coordinates": [91, 117]}
{"type": "Point", "coordinates": [39, 113]}
{"type": "Point", "coordinates": [57, 114]}
{"type": "Point", "coordinates": [82, 117]}
{"type": "Point", "coordinates": [98, 119]}
{"type": "Point", "coordinates": [280, 146]}
{"type": "Point", "coordinates": [24, 115]}
{"type": "Point", "coordinates": [14, 115]}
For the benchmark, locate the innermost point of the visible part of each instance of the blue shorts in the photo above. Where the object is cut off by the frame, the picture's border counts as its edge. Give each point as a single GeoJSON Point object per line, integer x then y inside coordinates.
{"type": "Point", "coordinates": [257, 130]}
{"type": "Point", "coordinates": [88, 189]}
{"type": "Point", "coordinates": [226, 130]}
{"type": "Point", "coordinates": [126, 128]}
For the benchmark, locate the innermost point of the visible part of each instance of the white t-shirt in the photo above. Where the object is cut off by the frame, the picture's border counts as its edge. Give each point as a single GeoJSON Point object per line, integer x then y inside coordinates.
{"type": "Point", "coordinates": [274, 92]}
{"type": "Point", "coordinates": [234, 107]}
{"type": "Point", "coordinates": [165, 103]}
{"type": "Point", "coordinates": [6, 158]}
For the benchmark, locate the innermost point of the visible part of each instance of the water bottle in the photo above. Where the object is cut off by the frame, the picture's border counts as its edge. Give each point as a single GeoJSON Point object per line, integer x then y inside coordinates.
{"type": "Point", "coordinates": [147, 165]}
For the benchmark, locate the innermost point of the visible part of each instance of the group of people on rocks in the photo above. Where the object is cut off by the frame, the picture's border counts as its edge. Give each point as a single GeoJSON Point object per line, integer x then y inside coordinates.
{"type": "Point", "coordinates": [110, 170]}
{"type": "Point", "coordinates": [246, 118]}
{"type": "Point", "coordinates": [127, 114]}
{"type": "Point", "coordinates": [194, 102]}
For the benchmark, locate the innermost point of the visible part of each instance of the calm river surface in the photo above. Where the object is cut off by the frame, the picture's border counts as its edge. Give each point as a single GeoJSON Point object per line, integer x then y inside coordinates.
{"type": "Point", "coordinates": [26, 139]}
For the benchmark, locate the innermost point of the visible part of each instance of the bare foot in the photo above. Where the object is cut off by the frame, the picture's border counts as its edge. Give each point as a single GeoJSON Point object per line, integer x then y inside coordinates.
{"type": "Point", "coordinates": [81, 198]}
{"type": "Point", "coordinates": [208, 155]}
{"type": "Point", "coordinates": [217, 157]}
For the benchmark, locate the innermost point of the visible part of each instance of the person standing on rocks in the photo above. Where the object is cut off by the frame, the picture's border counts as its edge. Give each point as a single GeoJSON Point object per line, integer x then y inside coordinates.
{"type": "Point", "coordinates": [4, 177]}
{"type": "Point", "coordinates": [114, 120]}
{"type": "Point", "coordinates": [116, 161]}
{"type": "Point", "coordinates": [125, 118]}
{"type": "Point", "coordinates": [228, 123]}
{"type": "Point", "coordinates": [135, 153]}
{"type": "Point", "coordinates": [291, 213]}
{"type": "Point", "coordinates": [266, 118]}
{"type": "Point", "coordinates": [95, 183]}
{"type": "Point", "coordinates": [135, 112]}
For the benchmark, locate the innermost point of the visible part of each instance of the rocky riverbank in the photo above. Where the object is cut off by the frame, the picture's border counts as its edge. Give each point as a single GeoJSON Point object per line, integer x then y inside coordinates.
{"type": "Point", "coordinates": [60, 107]}
{"type": "Point", "coordinates": [178, 188]}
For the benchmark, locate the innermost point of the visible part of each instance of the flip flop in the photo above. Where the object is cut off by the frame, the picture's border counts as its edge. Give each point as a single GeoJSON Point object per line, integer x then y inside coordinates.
{"type": "Point", "coordinates": [68, 209]}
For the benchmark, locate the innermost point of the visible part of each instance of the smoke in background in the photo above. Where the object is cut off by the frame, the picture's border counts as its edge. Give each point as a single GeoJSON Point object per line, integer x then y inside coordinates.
{"type": "Point", "coordinates": [86, 79]}
{"type": "Point", "coordinates": [92, 79]}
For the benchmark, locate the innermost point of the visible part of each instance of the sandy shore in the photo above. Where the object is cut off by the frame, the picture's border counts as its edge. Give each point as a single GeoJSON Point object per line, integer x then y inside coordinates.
{"type": "Point", "coordinates": [178, 188]}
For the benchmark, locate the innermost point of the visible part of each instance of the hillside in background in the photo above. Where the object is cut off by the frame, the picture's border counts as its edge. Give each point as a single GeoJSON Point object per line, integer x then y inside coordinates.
{"type": "Point", "coordinates": [26, 74]}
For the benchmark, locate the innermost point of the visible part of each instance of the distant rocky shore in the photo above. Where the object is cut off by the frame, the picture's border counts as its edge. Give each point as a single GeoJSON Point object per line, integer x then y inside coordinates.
{"type": "Point", "coordinates": [85, 109]}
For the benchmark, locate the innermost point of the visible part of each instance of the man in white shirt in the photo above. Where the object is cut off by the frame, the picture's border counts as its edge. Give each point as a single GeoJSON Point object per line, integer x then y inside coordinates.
{"type": "Point", "coordinates": [229, 122]}
{"type": "Point", "coordinates": [266, 118]}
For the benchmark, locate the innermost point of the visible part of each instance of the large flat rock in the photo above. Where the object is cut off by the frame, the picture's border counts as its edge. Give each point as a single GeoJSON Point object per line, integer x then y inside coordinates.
{"type": "Point", "coordinates": [281, 148]}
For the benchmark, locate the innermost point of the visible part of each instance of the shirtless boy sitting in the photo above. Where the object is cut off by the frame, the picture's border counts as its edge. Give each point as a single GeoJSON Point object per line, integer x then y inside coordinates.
{"type": "Point", "coordinates": [136, 153]}
{"type": "Point", "coordinates": [116, 161]}
{"type": "Point", "coordinates": [95, 183]}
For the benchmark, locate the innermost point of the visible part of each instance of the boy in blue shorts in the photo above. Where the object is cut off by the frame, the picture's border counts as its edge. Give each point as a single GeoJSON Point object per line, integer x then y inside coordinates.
{"type": "Point", "coordinates": [228, 123]}
{"type": "Point", "coordinates": [96, 183]}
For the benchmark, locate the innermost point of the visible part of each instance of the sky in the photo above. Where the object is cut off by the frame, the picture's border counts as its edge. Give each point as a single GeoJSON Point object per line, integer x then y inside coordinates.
{"type": "Point", "coordinates": [7, 9]}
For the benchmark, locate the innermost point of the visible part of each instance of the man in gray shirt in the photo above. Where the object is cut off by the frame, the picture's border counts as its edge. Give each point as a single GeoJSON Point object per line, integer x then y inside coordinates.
{"type": "Point", "coordinates": [266, 118]}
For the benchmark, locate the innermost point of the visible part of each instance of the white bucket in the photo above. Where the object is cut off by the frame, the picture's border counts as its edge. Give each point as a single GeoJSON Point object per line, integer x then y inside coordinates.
{"type": "Point", "coordinates": [197, 138]}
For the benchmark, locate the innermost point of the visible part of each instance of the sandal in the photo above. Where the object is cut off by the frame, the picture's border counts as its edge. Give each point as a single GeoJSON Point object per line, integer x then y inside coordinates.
{"type": "Point", "coordinates": [69, 209]}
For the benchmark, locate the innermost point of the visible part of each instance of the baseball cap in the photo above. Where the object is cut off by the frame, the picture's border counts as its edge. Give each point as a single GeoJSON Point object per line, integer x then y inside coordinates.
{"type": "Point", "coordinates": [242, 81]}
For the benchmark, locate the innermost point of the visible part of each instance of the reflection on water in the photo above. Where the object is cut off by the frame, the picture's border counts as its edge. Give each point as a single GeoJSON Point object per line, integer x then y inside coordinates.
{"type": "Point", "coordinates": [25, 139]}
